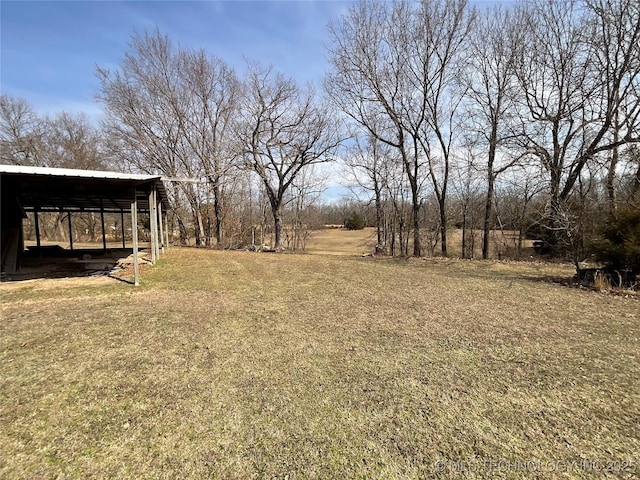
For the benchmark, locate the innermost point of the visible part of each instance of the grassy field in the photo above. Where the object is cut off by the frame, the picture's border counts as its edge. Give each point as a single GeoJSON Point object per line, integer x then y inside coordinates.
{"type": "Point", "coordinates": [338, 241]}
{"type": "Point", "coordinates": [247, 365]}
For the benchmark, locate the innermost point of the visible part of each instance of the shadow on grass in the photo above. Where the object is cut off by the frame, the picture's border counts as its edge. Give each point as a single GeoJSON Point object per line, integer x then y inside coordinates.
{"type": "Point", "coordinates": [123, 280]}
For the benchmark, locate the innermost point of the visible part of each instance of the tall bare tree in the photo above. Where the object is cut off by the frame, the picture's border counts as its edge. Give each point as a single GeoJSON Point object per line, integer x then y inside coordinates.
{"type": "Point", "coordinates": [442, 38]}
{"type": "Point", "coordinates": [393, 69]}
{"type": "Point", "coordinates": [282, 131]}
{"type": "Point", "coordinates": [617, 42]}
{"type": "Point", "coordinates": [366, 160]}
{"type": "Point", "coordinates": [490, 85]}
{"type": "Point", "coordinates": [168, 111]}
{"type": "Point", "coordinates": [578, 71]}
{"type": "Point", "coordinates": [211, 102]}
{"type": "Point", "coordinates": [140, 124]}
{"type": "Point", "coordinates": [370, 83]}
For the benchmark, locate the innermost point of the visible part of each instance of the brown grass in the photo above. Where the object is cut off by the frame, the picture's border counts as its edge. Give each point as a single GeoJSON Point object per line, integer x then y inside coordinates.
{"type": "Point", "coordinates": [247, 365]}
{"type": "Point", "coordinates": [338, 241]}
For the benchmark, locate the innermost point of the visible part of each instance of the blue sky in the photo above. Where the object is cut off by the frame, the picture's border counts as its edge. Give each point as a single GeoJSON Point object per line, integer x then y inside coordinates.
{"type": "Point", "coordinates": [49, 49]}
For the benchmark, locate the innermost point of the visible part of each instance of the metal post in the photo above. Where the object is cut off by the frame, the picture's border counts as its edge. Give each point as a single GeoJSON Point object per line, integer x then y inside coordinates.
{"type": "Point", "coordinates": [152, 227]}
{"type": "Point", "coordinates": [161, 226]}
{"type": "Point", "coordinates": [134, 238]}
{"type": "Point", "coordinates": [37, 221]}
{"type": "Point", "coordinates": [166, 230]}
{"type": "Point", "coordinates": [122, 227]}
{"type": "Point", "coordinates": [156, 235]}
{"type": "Point", "coordinates": [70, 231]}
{"type": "Point", "coordinates": [104, 237]}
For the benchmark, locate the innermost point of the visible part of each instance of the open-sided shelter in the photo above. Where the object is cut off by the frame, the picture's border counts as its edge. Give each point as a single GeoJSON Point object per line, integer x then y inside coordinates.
{"type": "Point", "coordinates": [41, 189]}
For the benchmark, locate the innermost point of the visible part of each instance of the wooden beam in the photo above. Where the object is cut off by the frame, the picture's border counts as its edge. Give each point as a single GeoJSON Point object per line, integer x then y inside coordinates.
{"type": "Point", "coordinates": [134, 238]}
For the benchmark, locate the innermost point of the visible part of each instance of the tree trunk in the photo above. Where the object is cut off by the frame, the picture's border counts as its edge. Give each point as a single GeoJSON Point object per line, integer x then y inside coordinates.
{"type": "Point", "coordinates": [199, 228]}
{"type": "Point", "coordinates": [443, 227]}
{"type": "Point", "coordinates": [217, 209]}
{"type": "Point", "coordinates": [393, 238]}
{"type": "Point", "coordinates": [92, 227]}
{"type": "Point", "coordinates": [611, 189]}
{"type": "Point", "coordinates": [61, 230]}
{"type": "Point", "coordinates": [636, 183]}
{"type": "Point", "coordinates": [184, 236]}
{"type": "Point", "coordinates": [277, 228]}
{"type": "Point", "coordinates": [379, 216]}
{"type": "Point", "coordinates": [417, 251]}
{"type": "Point", "coordinates": [488, 210]}
{"type": "Point", "coordinates": [464, 231]}
{"type": "Point", "coordinates": [611, 175]}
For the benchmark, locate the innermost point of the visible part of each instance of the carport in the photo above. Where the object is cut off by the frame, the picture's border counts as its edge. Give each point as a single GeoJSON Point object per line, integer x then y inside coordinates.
{"type": "Point", "coordinates": [42, 189]}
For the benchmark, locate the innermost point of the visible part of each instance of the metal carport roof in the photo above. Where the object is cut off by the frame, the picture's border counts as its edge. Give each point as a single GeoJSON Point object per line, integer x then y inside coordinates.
{"type": "Point", "coordinates": [54, 189]}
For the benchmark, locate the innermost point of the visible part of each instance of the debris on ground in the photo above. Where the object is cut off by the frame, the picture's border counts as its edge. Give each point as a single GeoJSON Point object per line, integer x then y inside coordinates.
{"type": "Point", "coordinates": [124, 266]}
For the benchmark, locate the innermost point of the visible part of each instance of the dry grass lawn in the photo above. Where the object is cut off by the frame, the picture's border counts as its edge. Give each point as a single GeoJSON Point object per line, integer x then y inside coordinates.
{"type": "Point", "coordinates": [246, 365]}
{"type": "Point", "coordinates": [338, 241]}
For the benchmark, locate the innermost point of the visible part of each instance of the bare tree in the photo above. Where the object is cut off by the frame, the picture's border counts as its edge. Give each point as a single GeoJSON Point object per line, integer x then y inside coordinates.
{"type": "Point", "coordinates": [393, 69]}
{"type": "Point", "coordinates": [490, 89]}
{"type": "Point", "coordinates": [616, 41]}
{"type": "Point", "coordinates": [21, 132]}
{"type": "Point", "coordinates": [444, 29]}
{"type": "Point", "coordinates": [70, 141]}
{"type": "Point", "coordinates": [398, 208]}
{"type": "Point", "coordinates": [365, 159]}
{"type": "Point", "coordinates": [466, 184]}
{"type": "Point", "coordinates": [578, 70]}
{"type": "Point", "coordinates": [140, 124]}
{"type": "Point", "coordinates": [370, 83]}
{"type": "Point", "coordinates": [206, 115]}
{"type": "Point", "coordinates": [282, 131]}
{"type": "Point", "coordinates": [303, 194]}
{"type": "Point", "coordinates": [168, 111]}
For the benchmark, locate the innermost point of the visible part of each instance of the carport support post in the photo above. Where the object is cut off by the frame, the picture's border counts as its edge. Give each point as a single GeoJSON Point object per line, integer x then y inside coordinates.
{"type": "Point", "coordinates": [161, 241]}
{"type": "Point", "coordinates": [37, 222]}
{"type": "Point", "coordinates": [166, 230]}
{"type": "Point", "coordinates": [104, 236]}
{"type": "Point", "coordinates": [122, 226]}
{"type": "Point", "coordinates": [134, 238]}
{"type": "Point", "coordinates": [156, 235]}
{"type": "Point", "coordinates": [156, 221]}
{"type": "Point", "coordinates": [152, 225]}
{"type": "Point", "coordinates": [70, 231]}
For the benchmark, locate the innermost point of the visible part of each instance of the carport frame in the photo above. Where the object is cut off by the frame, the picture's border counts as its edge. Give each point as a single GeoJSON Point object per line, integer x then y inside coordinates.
{"type": "Point", "coordinates": [45, 189]}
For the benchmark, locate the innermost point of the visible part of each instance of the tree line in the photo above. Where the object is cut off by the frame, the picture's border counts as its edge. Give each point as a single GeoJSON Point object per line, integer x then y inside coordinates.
{"type": "Point", "coordinates": [542, 97]}
{"type": "Point", "coordinates": [521, 117]}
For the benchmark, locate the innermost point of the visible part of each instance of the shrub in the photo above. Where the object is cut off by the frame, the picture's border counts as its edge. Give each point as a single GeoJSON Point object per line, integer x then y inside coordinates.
{"type": "Point", "coordinates": [354, 222]}
{"type": "Point", "coordinates": [619, 245]}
